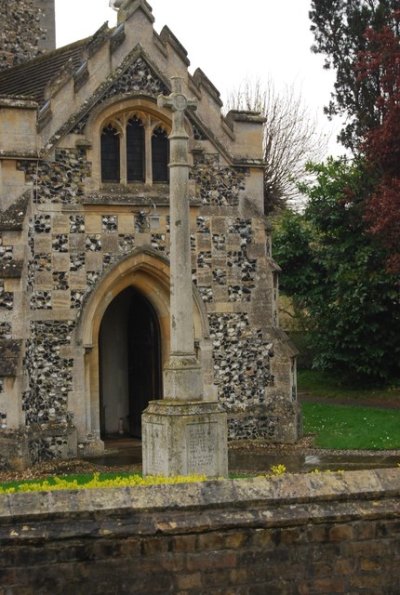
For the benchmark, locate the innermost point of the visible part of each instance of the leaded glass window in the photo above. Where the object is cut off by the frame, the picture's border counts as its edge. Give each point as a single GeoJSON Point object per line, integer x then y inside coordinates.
{"type": "Point", "coordinates": [135, 151]}
{"type": "Point", "coordinates": [160, 155]}
{"type": "Point", "coordinates": [110, 155]}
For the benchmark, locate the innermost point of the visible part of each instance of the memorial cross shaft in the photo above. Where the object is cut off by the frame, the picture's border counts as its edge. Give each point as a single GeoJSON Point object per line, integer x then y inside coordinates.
{"type": "Point", "coordinates": [183, 377]}
{"type": "Point", "coordinates": [183, 434]}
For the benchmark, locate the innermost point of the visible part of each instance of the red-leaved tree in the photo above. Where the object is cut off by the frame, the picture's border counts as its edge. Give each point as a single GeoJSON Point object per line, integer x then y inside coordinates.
{"type": "Point", "coordinates": [382, 143]}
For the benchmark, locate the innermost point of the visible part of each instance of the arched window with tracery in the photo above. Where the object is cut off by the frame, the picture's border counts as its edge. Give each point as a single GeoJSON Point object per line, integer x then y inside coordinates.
{"type": "Point", "coordinates": [135, 150]}
{"type": "Point", "coordinates": [160, 155]}
{"type": "Point", "coordinates": [110, 155]}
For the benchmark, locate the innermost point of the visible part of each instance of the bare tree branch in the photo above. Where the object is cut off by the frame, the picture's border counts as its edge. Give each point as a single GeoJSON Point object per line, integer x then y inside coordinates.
{"type": "Point", "coordinates": [291, 138]}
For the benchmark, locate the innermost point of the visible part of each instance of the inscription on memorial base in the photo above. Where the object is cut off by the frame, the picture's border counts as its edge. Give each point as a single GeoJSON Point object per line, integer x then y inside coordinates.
{"type": "Point", "coordinates": [201, 445]}
{"type": "Point", "coordinates": [184, 439]}
{"type": "Point", "coordinates": [156, 459]}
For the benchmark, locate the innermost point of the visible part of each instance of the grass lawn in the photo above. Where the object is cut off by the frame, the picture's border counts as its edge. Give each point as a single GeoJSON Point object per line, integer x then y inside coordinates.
{"type": "Point", "coordinates": [345, 427]}
{"type": "Point", "coordinates": [320, 384]}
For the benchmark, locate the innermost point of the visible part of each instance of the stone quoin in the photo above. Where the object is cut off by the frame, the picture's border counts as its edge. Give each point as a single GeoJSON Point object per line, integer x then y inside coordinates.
{"type": "Point", "coordinates": [86, 334]}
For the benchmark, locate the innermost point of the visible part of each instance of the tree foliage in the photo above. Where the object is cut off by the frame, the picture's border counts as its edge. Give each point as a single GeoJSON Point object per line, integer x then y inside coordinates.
{"type": "Point", "coordinates": [381, 144]}
{"type": "Point", "coordinates": [339, 28]}
{"type": "Point", "coordinates": [334, 270]}
{"type": "Point", "coordinates": [291, 138]}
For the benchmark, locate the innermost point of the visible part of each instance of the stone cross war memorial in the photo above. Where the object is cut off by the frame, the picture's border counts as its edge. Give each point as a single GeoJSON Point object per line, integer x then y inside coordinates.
{"type": "Point", "coordinates": [182, 434]}
{"type": "Point", "coordinates": [138, 291]}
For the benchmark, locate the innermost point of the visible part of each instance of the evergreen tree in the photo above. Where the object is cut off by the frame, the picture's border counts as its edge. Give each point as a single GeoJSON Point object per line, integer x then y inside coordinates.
{"type": "Point", "coordinates": [339, 28]}
{"type": "Point", "coordinates": [334, 271]}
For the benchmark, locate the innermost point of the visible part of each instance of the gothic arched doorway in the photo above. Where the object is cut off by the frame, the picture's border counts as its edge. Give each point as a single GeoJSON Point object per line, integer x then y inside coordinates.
{"type": "Point", "coordinates": [130, 363]}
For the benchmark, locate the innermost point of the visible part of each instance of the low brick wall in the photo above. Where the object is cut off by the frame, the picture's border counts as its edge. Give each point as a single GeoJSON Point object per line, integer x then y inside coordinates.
{"type": "Point", "coordinates": [330, 533]}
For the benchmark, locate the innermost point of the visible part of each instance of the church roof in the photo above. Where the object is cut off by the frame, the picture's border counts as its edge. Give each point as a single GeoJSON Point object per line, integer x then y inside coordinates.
{"type": "Point", "coordinates": [31, 78]}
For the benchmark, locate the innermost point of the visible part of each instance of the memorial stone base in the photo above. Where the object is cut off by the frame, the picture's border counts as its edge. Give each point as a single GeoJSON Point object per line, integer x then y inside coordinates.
{"type": "Point", "coordinates": [184, 439]}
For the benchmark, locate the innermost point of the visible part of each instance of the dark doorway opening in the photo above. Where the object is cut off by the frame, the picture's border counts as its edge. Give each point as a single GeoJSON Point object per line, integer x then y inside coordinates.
{"type": "Point", "coordinates": [130, 364]}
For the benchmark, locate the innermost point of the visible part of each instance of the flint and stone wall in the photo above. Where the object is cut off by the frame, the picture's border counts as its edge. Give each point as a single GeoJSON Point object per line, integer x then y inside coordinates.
{"type": "Point", "coordinates": [300, 535]}
{"type": "Point", "coordinates": [70, 253]}
{"type": "Point", "coordinates": [27, 27]}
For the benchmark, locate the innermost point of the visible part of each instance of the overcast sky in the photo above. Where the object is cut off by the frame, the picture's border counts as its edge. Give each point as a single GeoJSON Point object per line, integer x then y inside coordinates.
{"type": "Point", "coordinates": [230, 40]}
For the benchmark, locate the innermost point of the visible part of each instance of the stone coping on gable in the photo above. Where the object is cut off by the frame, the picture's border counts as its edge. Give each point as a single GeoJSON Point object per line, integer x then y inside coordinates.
{"type": "Point", "coordinates": [295, 497]}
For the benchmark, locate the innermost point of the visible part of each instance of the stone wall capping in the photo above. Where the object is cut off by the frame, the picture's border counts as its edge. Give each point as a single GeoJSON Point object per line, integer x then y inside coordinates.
{"type": "Point", "coordinates": [201, 80]}
{"type": "Point", "coordinates": [259, 502]}
{"type": "Point", "coordinates": [168, 37]}
{"type": "Point", "coordinates": [245, 162]}
{"type": "Point", "coordinates": [128, 8]}
{"type": "Point", "coordinates": [245, 116]}
{"type": "Point", "coordinates": [18, 102]}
